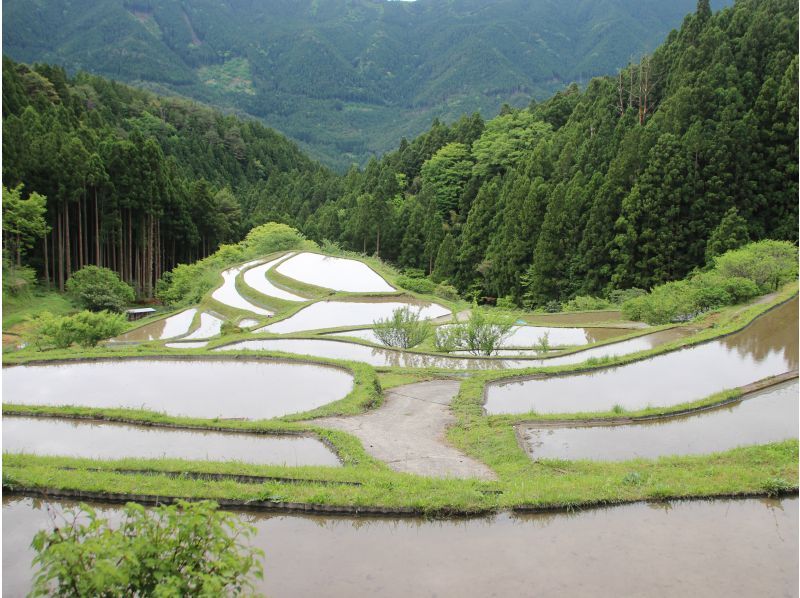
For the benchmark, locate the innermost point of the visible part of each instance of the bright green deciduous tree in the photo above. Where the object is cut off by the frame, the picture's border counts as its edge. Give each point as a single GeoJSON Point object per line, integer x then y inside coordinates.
{"type": "Point", "coordinates": [98, 288]}
{"type": "Point", "coordinates": [23, 221]}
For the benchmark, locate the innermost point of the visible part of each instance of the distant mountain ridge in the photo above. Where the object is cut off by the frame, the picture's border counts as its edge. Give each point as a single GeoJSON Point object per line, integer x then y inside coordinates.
{"type": "Point", "coordinates": [346, 78]}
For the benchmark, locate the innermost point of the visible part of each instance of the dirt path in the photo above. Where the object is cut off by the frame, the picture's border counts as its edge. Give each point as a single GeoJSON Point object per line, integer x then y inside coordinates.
{"type": "Point", "coordinates": [407, 432]}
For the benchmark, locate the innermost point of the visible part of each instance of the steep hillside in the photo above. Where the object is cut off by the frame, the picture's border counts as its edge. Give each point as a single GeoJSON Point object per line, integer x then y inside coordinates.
{"type": "Point", "coordinates": [346, 78]}
{"type": "Point", "coordinates": [138, 182]}
{"type": "Point", "coordinates": [633, 182]}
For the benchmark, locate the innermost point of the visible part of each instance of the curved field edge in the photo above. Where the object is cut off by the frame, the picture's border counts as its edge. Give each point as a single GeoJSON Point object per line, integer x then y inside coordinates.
{"type": "Point", "coordinates": [717, 324]}
{"type": "Point", "coordinates": [758, 470]}
{"type": "Point", "coordinates": [746, 471]}
{"type": "Point", "coordinates": [365, 394]}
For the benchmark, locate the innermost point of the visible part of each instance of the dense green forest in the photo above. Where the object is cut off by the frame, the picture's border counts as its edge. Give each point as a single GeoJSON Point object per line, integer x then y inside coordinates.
{"type": "Point", "coordinates": [617, 186]}
{"type": "Point", "coordinates": [632, 182]}
{"type": "Point", "coordinates": [135, 182]}
{"type": "Point", "coordinates": [345, 78]}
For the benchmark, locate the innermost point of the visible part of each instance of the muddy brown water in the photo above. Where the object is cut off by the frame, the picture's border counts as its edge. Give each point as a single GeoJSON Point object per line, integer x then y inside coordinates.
{"type": "Point", "coordinates": [765, 348]}
{"type": "Point", "coordinates": [107, 440]}
{"type": "Point", "coordinates": [766, 416]}
{"type": "Point", "coordinates": [199, 388]}
{"type": "Point", "coordinates": [170, 327]}
{"type": "Point", "coordinates": [700, 548]}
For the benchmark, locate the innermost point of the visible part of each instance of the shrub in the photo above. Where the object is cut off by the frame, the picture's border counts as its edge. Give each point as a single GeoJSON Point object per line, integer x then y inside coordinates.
{"type": "Point", "coordinates": [403, 329]}
{"type": "Point", "coordinates": [712, 290]}
{"type": "Point", "coordinates": [543, 344]}
{"type": "Point", "coordinates": [271, 237]}
{"type": "Point", "coordinates": [448, 338]}
{"type": "Point", "coordinates": [483, 333]}
{"type": "Point", "coordinates": [506, 302]}
{"type": "Point", "coordinates": [446, 291]}
{"type": "Point", "coordinates": [767, 263]}
{"type": "Point", "coordinates": [620, 296]}
{"type": "Point", "coordinates": [85, 328]}
{"type": "Point", "coordinates": [669, 302]}
{"type": "Point", "coordinates": [424, 286]}
{"type": "Point", "coordinates": [187, 549]}
{"type": "Point", "coordinates": [737, 276]}
{"type": "Point", "coordinates": [18, 281]}
{"type": "Point", "coordinates": [586, 303]}
{"type": "Point", "coordinates": [552, 307]}
{"type": "Point", "coordinates": [97, 289]}
{"type": "Point", "coordinates": [46, 330]}
{"type": "Point", "coordinates": [89, 328]}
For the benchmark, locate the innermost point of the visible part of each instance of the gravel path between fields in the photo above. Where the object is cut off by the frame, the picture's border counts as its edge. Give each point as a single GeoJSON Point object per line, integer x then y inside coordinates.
{"type": "Point", "coordinates": [408, 432]}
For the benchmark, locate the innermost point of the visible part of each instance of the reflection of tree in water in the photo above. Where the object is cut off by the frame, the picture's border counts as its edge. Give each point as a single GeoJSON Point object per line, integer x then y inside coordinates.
{"type": "Point", "coordinates": [395, 358]}
{"type": "Point", "coordinates": [774, 332]}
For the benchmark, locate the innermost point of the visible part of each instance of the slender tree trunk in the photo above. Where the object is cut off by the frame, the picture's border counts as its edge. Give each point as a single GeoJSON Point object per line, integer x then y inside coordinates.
{"type": "Point", "coordinates": [46, 264]}
{"type": "Point", "coordinates": [60, 252]}
{"type": "Point", "coordinates": [53, 244]}
{"type": "Point", "coordinates": [98, 256]}
{"type": "Point", "coordinates": [80, 234]}
{"type": "Point", "coordinates": [130, 247]}
{"type": "Point", "coordinates": [68, 246]}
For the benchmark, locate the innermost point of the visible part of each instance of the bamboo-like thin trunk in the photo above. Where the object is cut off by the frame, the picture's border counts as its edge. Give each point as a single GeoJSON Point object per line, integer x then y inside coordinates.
{"type": "Point", "coordinates": [46, 264]}
{"type": "Point", "coordinates": [68, 245]}
{"type": "Point", "coordinates": [60, 252]}
{"type": "Point", "coordinates": [98, 256]}
{"type": "Point", "coordinates": [80, 235]}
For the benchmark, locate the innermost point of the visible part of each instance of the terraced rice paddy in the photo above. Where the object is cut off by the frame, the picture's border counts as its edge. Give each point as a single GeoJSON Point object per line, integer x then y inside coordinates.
{"type": "Point", "coordinates": [334, 273]}
{"type": "Point", "coordinates": [207, 388]}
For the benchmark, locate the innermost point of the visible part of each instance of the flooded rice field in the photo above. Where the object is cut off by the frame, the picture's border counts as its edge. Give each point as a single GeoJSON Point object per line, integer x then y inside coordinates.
{"type": "Point", "coordinates": [256, 278]}
{"type": "Point", "coordinates": [106, 440]}
{"type": "Point", "coordinates": [334, 314]}
{"type": "Point", "coordinates": [765, 348]}
{"type": "Point", "coordinates": [334, 273]}
{"type": "Point", "coordinates": [766, 416]}
{"type": "Point", "coordinates": [526, 336]}
{"type": "Point", "coordinates": [701, 548]}
{"type": "Point", "coordinates": [380, 357]}
{"type": "Point", "coordinates": [228, 295]}
{"type": "Point", "coordinates": [170, 327]}
{"type": "Point", "coordinates": [333, 349]}
{"type": "Point", "coordinates": [209, 326]}
{"type": "Point", "coordinates": [196, 388]}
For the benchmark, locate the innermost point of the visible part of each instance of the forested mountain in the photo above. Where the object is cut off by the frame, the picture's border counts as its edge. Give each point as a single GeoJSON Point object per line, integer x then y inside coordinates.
{"type": "Point", "coordinates": [628, 183]}
{"type": "Point", "coordinates": [136, 182]}
{"type": "Point", "coordinates": [346, 78]}
{"type": "Point", "coordinates": [621, 185]}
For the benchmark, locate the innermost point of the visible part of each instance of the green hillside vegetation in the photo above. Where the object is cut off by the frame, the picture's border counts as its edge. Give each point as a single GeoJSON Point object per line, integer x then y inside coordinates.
{"type": "Point", "coordinates": [347, 79]}
{"type": "Point", "coordinates": [634, 182]}
{"type": "Point", "coordinates": [136, 182]}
